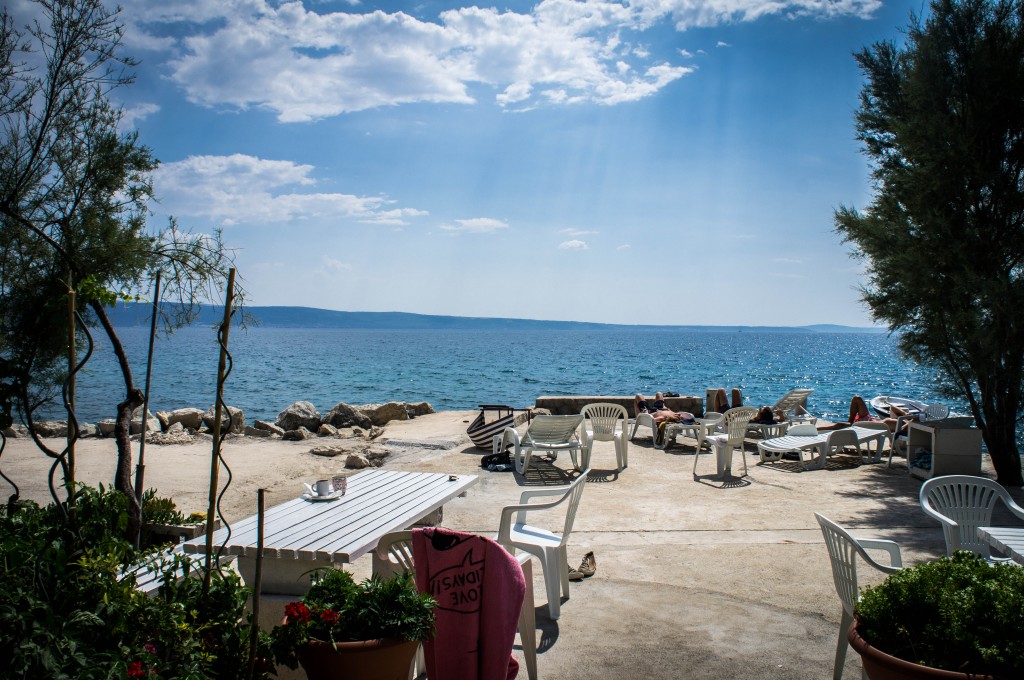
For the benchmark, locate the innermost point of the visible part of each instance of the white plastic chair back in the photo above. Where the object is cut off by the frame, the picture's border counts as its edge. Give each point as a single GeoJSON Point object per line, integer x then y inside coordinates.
{"type": "Point", "coordinates": [802, 430]}
{"type": "Point", "coordinates": [393, 554]}
{"type": "Point", "coordinates": [603, 419]}
{"type": "Point", "coordinates": [553, 429]}
{"type": "Point", "coordinates": [734, 422]}
{"type": "Point", "coordinates": [791, 401]}
{"type": "Point", "coordinates": [935, 412]}
{"type": "Point", "coordinates": [962, 503]}
{"type": "Point", "coordinates": [842, 552]}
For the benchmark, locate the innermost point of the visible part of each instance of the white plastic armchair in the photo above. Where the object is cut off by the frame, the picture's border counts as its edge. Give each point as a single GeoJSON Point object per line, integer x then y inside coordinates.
{"type": "Point", "coordinates": [545, 434]}
{"type": "Point", "coordinates": [605, 422]}
{"type": "Point", "coordinates": [734, 423]}
{"type": "Point", "coordinates": [393, 555]}
{"type": "Point", "coordinates": [842, 552]}
{"type": "Point", "coordinates": [549, 547]}
{"type": "Point", "coordinates": [644, 420]}
{"type": "Point", "coordinates": [961, 504]}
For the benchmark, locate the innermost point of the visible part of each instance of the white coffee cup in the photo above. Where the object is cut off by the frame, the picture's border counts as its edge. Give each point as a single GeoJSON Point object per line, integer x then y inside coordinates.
{"type": "Point", "coordinates": [323, 487]}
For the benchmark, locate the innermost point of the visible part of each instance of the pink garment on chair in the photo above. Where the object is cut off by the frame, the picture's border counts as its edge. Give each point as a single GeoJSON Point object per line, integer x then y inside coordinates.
{"type": "Point", "coordinates": [479, 588]}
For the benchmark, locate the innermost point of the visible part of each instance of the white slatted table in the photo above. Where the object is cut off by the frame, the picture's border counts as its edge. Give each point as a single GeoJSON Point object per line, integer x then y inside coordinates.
{"type": "Point", "coordinates": [1008, 539]}
{"type": "Point", "coordinates": [302, 535]}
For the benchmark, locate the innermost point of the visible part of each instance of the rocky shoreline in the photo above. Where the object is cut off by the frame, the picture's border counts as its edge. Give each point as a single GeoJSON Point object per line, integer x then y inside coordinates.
{"type": "Point", "coordinates": [351, 429]}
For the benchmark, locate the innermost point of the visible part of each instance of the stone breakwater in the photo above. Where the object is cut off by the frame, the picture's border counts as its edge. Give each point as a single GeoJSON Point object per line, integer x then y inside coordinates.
{"type": "Point", "coordinates": [298, 422]}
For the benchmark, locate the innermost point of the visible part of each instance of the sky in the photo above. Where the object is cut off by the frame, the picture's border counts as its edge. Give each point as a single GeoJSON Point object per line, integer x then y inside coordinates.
{"type": "Point", "coordinates": [635, 162]}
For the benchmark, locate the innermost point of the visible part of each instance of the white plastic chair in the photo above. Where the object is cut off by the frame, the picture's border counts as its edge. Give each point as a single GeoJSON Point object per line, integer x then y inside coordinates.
{"type": "Point", "coordinates": [792, 406]}
{"type": "Point", "coordinates": [644, 420]}
{"type": "Point", "coordinates": [929, 412]}
{"type": "Point", "coordinates": [961, 504]}
{"type": "Point", "coordinates": [393, 555]}
{"type": "Point", "coordinates": [842, 552]}
{"type": "Point", "coordinates": [514, 533]}
{"type": "Point", "coordinates": [545, 434]}
{"type": "Point", "coordinates": [734, 422]}
{"type": "Point", "coordinates": [605, 422]}
{"type": "Point", "coordinates": [797, 439]}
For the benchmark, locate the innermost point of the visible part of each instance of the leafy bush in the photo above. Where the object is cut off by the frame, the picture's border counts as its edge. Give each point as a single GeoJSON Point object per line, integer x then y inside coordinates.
{"type": "Point", "coordinates": [67, 612]}
{"type": "Point", "coordinates": [958, 613]}
{"type": "Point", "coordinates": [337, 609]}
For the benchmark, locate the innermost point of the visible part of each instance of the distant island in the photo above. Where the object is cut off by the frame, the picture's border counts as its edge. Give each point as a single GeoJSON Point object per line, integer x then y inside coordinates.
{"type": "Point", "coordinates": [137, 314]}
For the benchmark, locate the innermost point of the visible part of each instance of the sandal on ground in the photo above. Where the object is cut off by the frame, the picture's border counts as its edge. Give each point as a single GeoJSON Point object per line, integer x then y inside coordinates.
{"type": "Point", "coordinates": [574, 575]}
{"type": "Point", "coordinates": [589, 564]}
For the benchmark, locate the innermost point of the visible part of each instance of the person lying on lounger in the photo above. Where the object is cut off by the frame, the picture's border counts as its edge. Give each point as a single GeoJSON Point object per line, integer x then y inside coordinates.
{"type": "Point", "coordinates": [663, 414]}
{"type": "Point", "coordinates": [859, 413]}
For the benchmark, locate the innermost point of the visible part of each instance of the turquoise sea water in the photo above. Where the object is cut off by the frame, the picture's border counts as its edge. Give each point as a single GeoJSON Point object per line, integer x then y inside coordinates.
{"type": "Point", "coordinates": [274, 367]}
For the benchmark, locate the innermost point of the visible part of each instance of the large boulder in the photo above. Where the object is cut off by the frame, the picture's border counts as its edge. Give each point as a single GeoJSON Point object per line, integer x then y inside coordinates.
{"type": "Point", "coordinates": [268, 427]}
{"type": "Point", "coordinates": [297, 435]}
{"type": "Point", "coordinates": [51, 428]}
{"type": "Point", "coordinates": [299, 414]}
{"type": "Point", "coordinates": [16, 431]}
{"type": "Point", "coordinates": [422, 408]}
{"type": "Point", "coordinates": [382, 414]}
{"type": "Point", "coordinates": [256, 432]}
{"type": "Point", "coordinates": [152, 423]}
{"type": "Point", "coordinates": [231, 422]}
{"type": "Point", "coordinates": [106, 427]}
{"type": "Point", "coordinates": [344, 415]}
{"type": "Point", "coordinates": [190, 418]}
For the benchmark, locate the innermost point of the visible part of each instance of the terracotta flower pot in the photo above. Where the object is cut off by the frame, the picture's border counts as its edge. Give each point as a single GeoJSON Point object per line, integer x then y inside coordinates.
{"type": "Point", "coordinates": [880, 666]}
{"type": "Point", "coordinates": [387, 659]}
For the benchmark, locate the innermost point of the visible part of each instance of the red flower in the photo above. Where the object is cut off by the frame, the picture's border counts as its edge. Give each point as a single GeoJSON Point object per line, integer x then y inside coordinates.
{"type": "Point", "coordinates": [135, 670]}
{"type": "Point", "coordinates": [296, 611]}
{"type": "Point", "coordinates": [330, 617]}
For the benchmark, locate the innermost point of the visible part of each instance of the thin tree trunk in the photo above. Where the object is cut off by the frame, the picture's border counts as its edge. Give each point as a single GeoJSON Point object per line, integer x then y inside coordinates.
{"type": "Point", "coordinates": [122, 426]}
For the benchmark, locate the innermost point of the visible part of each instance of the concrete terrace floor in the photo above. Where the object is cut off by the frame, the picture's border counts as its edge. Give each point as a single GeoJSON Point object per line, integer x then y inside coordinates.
{"type": "Point", "coordinates": [700, 578]}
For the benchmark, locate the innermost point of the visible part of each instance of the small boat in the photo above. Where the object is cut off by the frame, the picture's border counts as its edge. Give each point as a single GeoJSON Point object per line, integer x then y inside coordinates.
{"type": "Point", "coordinates": [494, 418]}
{"type": "Point", "coordinates": [881, 404]}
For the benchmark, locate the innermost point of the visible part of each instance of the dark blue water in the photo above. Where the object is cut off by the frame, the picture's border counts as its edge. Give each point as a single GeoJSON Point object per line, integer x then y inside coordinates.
{"type": "Point", "coordinates": [274, 367]}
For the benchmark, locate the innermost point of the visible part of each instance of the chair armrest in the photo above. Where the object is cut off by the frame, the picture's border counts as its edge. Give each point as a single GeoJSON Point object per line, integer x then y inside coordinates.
{"type": "Point", "coordinates": [1014, 508]}
{"type": "Point", "coordinates": [520, 510]}
{"type": "Point", "coordinates": [891, 547]}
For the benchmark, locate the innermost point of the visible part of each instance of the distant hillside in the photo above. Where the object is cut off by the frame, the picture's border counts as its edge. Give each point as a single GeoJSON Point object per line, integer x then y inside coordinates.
{"type": "Point", "coordinates": [137, 314]}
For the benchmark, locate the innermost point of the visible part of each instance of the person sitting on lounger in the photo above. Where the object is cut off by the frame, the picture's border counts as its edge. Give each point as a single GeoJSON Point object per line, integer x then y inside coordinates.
{"type": "Point", "coordinates": [859, 413]}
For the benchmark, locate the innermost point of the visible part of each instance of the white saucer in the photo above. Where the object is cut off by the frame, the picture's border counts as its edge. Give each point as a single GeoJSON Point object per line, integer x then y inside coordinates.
{"type": "Point", "coordinates": [321, 499]}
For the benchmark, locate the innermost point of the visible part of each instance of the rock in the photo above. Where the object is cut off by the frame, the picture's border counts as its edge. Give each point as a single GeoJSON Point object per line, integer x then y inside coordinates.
{"type": "Point", "coordinates": [382, 414]}
{"type": "Point", "coordinates": [327, 430]}
{"type": "Point", "coordinates": [178, 436]}
{"type": "Point", "coordinates": [256, 432]}
{"type": "Point", "coordinates": [344, 415]}
{"type": "Point", "coordinates": [189, 417]}
{"type": "Point", "coordinates": [356, 461]}
{"type": "Point", "coordinates": [106, 427]}
{"type": "Point", "coordinates": [376, 455]}
{"type": "Point", "coordinates": [16, 431]}
{"type": "Point", "coordinates": [373, 432]}
{"type": "Point", "coordinates": [51, 428]}
{"type": "Point", "coordinates": [299, 414]}
{"type": "Point", "coordinates": [268, 427]}
{"type": "Point", "coordinates": [152, 423]}
{"type": "Point", "coordinates": [233, 421]}
{"type": "Point", "coordinates": [176, 427]}
{"type": "Point", "coordinates": [88, 430]}
{"type": "Point", "coordinates": [297, 435]}
{"type": "Point", "coordinates": [422, 408]}
{"type": "Point", "coordinates": [328, 451]}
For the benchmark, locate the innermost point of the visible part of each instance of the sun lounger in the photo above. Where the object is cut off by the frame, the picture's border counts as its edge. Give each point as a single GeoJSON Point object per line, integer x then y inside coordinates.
{"type": "Point", "coordinates": [823, 444]}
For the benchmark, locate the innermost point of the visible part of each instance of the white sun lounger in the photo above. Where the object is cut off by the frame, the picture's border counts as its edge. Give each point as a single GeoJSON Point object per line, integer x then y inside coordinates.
{"type": "Point", "coordinates": [822, 444]}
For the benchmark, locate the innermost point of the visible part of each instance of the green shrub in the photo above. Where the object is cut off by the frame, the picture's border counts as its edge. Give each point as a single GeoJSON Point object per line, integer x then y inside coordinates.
{"type": "Point", "coordinates": [66, 611]}
{"type": "Point", "coordinates": [957, 613]}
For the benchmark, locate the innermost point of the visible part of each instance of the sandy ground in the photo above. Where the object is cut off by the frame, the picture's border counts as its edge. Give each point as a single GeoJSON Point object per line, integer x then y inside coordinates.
{"type": "Point", "coordinates": [696, 578]}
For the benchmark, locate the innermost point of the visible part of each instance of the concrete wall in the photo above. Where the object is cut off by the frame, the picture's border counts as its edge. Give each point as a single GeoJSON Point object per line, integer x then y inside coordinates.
{"type": "Point", "coordinates": [566, 406]}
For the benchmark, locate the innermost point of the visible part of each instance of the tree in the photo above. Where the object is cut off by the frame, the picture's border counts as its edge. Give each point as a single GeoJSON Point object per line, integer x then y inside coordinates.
{"type": "Point", "coordinates": [74, 191]}
{"type": "Point", "coordinates": [942, 120]}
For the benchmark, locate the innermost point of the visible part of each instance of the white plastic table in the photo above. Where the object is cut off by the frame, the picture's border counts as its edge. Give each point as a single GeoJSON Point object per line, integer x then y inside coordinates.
{"type": "Point", "coordinates": [1008, 539]}
{"type": "Point", "coordinates": [302, 535]}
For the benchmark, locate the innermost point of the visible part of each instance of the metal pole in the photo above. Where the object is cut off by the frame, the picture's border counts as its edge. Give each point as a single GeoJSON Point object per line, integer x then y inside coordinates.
{"type": "Point", "coordinates": [140, 469]}
{"type": "Point", "coordinates": [257, 585]}
{"type": "Point", "coordinates": [72, 432]}
{"type": "Point", "coordinates": [215, 458]}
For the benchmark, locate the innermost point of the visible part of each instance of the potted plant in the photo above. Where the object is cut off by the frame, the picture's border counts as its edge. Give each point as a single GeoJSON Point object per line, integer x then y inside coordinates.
{"type": "Point", "coordinates": [956, 617]}
{"type": "Point", "coordinates": [343, 629]}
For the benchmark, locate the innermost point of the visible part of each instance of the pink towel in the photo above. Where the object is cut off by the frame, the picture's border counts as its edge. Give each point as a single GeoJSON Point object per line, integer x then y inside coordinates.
{"type": "Point", "coordinates": [479, 588]}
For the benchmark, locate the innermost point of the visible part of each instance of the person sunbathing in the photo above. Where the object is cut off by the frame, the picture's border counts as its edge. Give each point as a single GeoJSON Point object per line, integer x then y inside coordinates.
{"type": "Point", "coordinates": [859, 413]}
{"type": "Point", "coordinates": [663, 414]}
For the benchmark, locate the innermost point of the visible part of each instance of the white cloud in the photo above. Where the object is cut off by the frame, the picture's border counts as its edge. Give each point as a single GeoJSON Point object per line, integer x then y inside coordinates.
{"type": "Point", "coordinates": [722, 43]}
{"type": "Point", "coordinates": [239, 188]}
{"type": "Point", "coordinates": [131, 116]}
{"type": "Point", "coordinates": [573, 245]}
{"type": "Point", "coordinates": [686, 53]}
{"type": "Point", "coordinates": [576, 232]}
{"type": "Point", "coordinates": [624, 246]}
{"type": "Point", "coordinates": [787, 260]}
{"type": "Point", "coordinates": [476, 225]}
{"type": "Point", "coordinates": [335, 265]}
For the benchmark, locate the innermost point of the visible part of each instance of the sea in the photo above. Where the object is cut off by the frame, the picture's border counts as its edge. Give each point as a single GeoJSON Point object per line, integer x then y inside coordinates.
{"type": "Point", "coordinates": [272, 368]}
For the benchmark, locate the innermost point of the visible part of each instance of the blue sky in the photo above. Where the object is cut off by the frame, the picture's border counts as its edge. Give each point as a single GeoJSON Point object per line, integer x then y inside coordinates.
{"type": "Point", "coordinates": [654, 161]}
